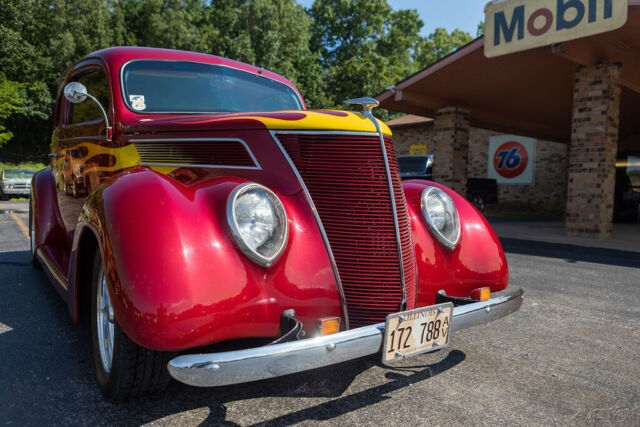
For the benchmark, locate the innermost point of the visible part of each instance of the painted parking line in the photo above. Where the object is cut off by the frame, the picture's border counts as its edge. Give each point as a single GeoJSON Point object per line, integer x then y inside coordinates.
{"type": "Point", "coordinates": [21, 226]}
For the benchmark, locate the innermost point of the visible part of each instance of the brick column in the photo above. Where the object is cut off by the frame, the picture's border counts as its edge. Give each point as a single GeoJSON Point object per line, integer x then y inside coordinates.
{"type": "Point", "coordinates": [592, 154]}
{"type": "Point", "coordinates": [451, 148]}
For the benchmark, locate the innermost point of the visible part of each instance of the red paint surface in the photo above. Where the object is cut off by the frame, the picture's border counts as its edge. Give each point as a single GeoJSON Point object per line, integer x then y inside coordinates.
{"type": "Point", "coordinates": [477, 261]}
{"type": "Point", "coordinates": [179, 280]}
{"type": "Point", "coordinates": [176, 276]}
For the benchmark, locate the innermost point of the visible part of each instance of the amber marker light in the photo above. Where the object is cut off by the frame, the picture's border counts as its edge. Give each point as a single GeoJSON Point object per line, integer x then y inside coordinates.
{"type": "Point", "coordinates": [328, 325]}
{"type": "Point", "coordinates": [481, 294]}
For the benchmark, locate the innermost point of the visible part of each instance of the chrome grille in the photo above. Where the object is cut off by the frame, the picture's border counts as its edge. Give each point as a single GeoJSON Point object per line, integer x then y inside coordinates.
{"type": "Point", "coordinates": [346, 178]}
{"type": "Point", "coordinates": [204, 152]}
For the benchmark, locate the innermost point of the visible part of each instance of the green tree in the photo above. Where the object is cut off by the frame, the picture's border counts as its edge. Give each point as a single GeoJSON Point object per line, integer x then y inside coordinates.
{"type": "Point", "coordinates": [364, 44]}
{"type": "Point", "coordinates": [274, 34]}
{"type": "Point", "coordinates": [337, 49]}
{"type": "Point", "coordinates": [439, 44]}
{"type": "Point", "coordinates": [25, 63]}
{"type": "Point", "coordinates": [171, 24]}
{"type": "Point", "coordinates": [40, 39]}
{"type": "Point", "coordinates": [11, 100]}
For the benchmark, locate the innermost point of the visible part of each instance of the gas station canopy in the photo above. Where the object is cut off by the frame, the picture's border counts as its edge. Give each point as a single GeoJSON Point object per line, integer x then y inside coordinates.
{"type": "Point", "coordinates": [529, 92]}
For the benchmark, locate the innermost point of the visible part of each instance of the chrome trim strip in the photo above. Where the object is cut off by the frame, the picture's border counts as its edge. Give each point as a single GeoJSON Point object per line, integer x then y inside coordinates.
{"type": "Point", "coordinates": [52, 268]}
{"type": "Point", "coordinates": [126, 104]}
{"type": "Point", "coordinates": [326, 132]}
{"type": "Point", "coordinates": [198, 165]}
{"type": "Point", "coordinates": [369, 115]}
{"type": "Point", "coordinates": [318, 221]}
{"type": "Point", "coordinates": [241, 366]}
{"type": "Point", "coordinates": [256, 166]}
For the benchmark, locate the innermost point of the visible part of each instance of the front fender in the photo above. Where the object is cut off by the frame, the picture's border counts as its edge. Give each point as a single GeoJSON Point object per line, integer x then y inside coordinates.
{"type": "Point", "coordinates": [477, 261]}
{"type": "Point", "coordinates": [176, 278]}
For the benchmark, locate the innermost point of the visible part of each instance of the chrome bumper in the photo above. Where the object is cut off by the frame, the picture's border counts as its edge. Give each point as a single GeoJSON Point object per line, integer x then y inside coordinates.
{"type": "Point", "coordinates": [241, 366]}
{"type": "Point", "coordinates": [16, 191]}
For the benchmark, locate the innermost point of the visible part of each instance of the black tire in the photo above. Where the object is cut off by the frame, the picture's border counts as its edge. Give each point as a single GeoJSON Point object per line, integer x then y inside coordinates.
{"type": "Point", "coordinates": [134, 371]}
{"type": "Point", "coordinates": [477, 201]}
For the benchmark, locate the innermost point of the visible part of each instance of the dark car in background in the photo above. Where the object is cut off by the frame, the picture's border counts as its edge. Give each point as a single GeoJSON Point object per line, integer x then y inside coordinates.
{"type": "Point", "coordinates": [480, 191]}
{"type": "Point", "coordinates": [15, 183]}
{"type": "Point", "coordinates": [416, 167]}
{"type": "Point", "coordinates": [626, 200]}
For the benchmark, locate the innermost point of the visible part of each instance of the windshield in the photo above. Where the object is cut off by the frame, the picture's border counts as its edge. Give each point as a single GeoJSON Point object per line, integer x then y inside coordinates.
{"type": "Point", "coordinates": [17, 174]}
{"type": "Point", "coordinates": [413, 164]}
{"type": "Point", "coordinates": [192, 87]}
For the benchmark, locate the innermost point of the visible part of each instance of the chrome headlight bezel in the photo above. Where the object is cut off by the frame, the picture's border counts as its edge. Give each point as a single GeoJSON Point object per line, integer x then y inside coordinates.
{"type": "Point", "coordinates": [281, 214]}
{"type": "Point", "coordinates": [452, 227]}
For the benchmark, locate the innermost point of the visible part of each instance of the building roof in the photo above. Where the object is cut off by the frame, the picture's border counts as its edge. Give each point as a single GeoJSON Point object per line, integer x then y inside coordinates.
{"type": "Point", "coordinates": [409, 120]}
{"type": "Point", "coordinates": [528, 92]}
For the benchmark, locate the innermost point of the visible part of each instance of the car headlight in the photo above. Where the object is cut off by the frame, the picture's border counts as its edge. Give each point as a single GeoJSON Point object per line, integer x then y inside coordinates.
{"type": "Point", "coordinates": [258, 222]}
{"type": "Point", "coordinates": [442, 216]}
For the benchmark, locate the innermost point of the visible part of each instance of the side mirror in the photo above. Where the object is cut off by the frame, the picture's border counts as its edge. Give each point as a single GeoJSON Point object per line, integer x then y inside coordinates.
{"type": "Point", "coordinates": [76, 92]}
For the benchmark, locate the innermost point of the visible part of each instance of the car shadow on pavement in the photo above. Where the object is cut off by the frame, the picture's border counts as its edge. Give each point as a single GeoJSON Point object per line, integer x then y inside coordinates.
{"type": "Point", "coordinates": [329, 382]}
{"type": "Point", "coordinates": [571, 253]}
{"type": "Point", "coordinates": [356, 401]}
{"type": "Point", "coordinates": [46, 374]}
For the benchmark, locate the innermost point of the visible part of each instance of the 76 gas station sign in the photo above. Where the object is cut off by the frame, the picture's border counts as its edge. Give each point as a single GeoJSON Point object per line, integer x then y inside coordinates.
{"type": "Point", "coordinates": [512, 159]}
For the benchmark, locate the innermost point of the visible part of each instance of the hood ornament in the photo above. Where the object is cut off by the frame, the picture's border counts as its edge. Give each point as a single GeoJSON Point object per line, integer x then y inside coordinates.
{"type": "Point", "coordinates": [367, 104]}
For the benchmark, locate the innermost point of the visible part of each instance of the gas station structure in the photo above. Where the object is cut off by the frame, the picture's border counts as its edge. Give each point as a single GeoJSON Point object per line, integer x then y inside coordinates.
{"type": "Point", "coordinates": [584, 93]}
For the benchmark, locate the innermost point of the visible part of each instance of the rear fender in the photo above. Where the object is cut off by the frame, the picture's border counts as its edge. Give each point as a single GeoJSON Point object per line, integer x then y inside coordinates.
{"type": "Point", "coordinates": [477, 261]}
{"type": "Point", "coordinates": [176, 277]}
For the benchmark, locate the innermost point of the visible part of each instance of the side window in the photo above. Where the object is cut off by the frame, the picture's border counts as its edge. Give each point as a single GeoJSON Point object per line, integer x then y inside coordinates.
{"type": "Point", "coordinates": [97, 85]}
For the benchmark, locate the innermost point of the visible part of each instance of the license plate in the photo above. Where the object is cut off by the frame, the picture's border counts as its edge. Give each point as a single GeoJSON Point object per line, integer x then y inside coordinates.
{"type": "Point", "coordinates": [413, 332]}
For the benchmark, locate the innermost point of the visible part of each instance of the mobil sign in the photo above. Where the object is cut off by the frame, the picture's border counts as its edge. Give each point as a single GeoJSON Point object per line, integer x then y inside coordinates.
{"type": "Point", "coordinates": [512, 159]}
{"type": "Point", "coordinates": [514, 25]}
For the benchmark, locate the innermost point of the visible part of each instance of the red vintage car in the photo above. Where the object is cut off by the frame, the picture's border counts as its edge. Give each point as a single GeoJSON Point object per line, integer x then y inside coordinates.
{"type": "Point", "coordinates": [220, 232]}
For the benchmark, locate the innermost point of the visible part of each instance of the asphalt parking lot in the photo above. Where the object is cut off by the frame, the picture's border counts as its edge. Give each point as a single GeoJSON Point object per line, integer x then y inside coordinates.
{"type": "Point", "coordinates": [571, 355]}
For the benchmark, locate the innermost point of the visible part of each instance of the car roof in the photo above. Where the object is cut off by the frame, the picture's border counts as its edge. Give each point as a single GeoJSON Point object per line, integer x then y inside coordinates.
{"type": "Point", "coordinates": [122, 54]}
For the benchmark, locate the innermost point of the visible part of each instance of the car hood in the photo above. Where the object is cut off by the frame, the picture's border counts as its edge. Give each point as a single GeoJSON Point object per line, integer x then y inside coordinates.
{"type": "Point", "coordinates": [279, 120]}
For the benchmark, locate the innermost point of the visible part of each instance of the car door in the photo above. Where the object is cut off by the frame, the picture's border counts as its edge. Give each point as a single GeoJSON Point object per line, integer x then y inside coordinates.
{"type": "Point", "coordinates": [80, 143]}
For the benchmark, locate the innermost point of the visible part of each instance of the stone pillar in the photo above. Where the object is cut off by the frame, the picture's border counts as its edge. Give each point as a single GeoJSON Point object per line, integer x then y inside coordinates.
{"type": "Point", "coordinates": [592, 154]}
{"type": "Point", "coordinates": [451, 148]}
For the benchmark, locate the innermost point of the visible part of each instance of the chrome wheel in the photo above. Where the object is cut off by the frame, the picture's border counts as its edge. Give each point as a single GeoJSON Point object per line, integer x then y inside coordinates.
{"type": "Point", "coordinates": [478, 202]}
{"type": "Point", "coordinates": [105, 321]}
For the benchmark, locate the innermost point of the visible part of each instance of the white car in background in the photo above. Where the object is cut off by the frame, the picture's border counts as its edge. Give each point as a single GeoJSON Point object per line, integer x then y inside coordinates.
{"type": "Point", "coordinates": [15, 183]}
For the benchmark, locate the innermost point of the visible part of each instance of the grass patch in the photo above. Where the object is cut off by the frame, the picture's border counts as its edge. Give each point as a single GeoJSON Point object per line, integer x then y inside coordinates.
{"type": "Point", "coordinates": [34, 166]}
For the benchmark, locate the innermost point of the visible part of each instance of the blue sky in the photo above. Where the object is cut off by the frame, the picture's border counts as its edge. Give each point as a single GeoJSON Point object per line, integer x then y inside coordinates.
{"type": "Point", "coordinates": [450, 14]}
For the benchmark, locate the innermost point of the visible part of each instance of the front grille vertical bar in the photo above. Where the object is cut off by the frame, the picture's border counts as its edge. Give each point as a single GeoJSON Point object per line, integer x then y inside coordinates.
{"type": "Point", "coordinates": [320, 226]}
{"type": "Point", "coordinates": [370, 116]}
